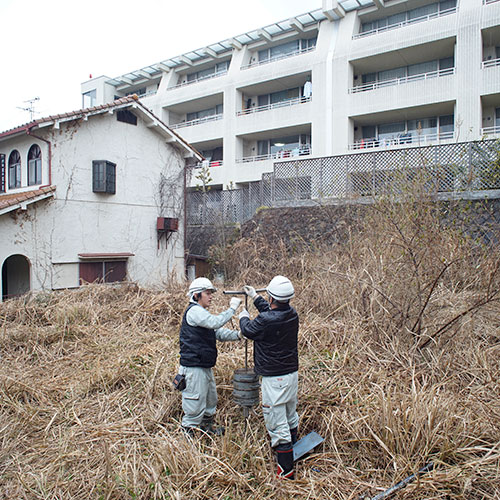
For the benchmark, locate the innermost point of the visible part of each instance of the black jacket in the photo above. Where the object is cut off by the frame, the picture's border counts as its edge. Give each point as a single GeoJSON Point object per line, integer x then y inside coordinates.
{"type": "Point", "coordinates": [198, 344]}
{"type": "Point", "coordinates": [274, 332]}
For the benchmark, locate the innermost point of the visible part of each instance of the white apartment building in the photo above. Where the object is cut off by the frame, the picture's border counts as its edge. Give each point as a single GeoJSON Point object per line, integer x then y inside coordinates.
{"type": "Point", "coordinates": [353, 75]}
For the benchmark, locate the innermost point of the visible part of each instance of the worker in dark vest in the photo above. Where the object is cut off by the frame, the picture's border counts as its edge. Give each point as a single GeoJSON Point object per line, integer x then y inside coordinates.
{"type": "Point", "coordinates": [274, 332]}
{"type": "Point", "coordinates": [198, 335]}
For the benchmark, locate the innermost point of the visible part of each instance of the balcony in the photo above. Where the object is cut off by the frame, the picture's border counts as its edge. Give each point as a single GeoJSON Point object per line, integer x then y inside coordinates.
{"type": "Point", "coordinates": [211, 164]}
{"type": "Point", "coordinates": [400, 81]}
{"type": "Point", "coordinates": [191, 123]}
{"type": "Point", "coordinates": [490, 131]}
{"type": "Point", "coordinates": [492, 62]}
{"type": "Point", "coordinates": [279, 58]}
{"type": "Point", "coordinates": [403, 140]}
{"type": "Point", "coordinates": [293, 153]}
{"type": "Point", "coordinates": [281, 104]}
{"type": "Point", "coordinates": [406, 23]}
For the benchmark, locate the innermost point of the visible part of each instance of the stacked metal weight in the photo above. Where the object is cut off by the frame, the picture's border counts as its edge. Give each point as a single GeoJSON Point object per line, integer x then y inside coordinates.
{"type": "Point", "coordinates": [246, 384]}
{"type": "Point", "coordinates": [246, 387]}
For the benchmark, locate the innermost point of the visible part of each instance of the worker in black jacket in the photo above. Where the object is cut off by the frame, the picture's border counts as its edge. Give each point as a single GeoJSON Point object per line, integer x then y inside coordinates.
{"type": "Point", "coordinates": [274, 332]}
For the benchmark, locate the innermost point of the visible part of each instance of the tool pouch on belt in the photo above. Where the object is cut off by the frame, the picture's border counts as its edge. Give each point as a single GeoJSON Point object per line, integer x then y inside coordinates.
{"type": "Point", "coordinates": [179, 382]}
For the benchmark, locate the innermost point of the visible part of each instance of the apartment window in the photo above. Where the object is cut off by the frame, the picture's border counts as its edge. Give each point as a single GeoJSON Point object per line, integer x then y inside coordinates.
{"type": "Point", "coordinates": [213, 155]}
{"type": "Point", "coordinates": [89, 99]}
{"type": "Point", "coordinates": [2, 173]}
{"type": "Point", "coordinates": [138, 92]}
{"type": "Point", "coordinates": [34, 165]}
{"type": "Point", "coordinates": [197, 115]}
{"type": "Point", "coordinates": [103, 271]}
{"type": "Point", "coordinates": [293, 145]}
{"type": "Point", "coordinates": [207, 73]}
{"type": "Point", "coordinates": [411, 70]}
{"type": "Point", "coordinates": [408, 16]}
{"type": "Point", "coordinates": [446, 123]}
{"type": "Point", "coordinates": [497, 118]}
{"type": "Point", "coordinates": [14, 170]}
{"type": "Point", "coordinates": [286, 49]}
{"type": "Point", "coordinates": [126, 116]}
{"type": "Point", "coordinates": [276, 97]}
{"type": "Point", "coordinates": [408, 131]}
{"type": "Point", "coordinates": [103, 177]}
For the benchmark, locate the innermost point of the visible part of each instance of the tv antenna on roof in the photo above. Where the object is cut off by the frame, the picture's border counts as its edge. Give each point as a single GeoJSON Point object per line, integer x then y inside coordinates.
{"type": "Point", "coordinates": [31, 107]}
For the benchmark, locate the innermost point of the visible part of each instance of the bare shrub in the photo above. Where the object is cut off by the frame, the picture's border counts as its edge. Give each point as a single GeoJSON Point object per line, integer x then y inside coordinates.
{"type": "Point", "coordinates": [399, 366]}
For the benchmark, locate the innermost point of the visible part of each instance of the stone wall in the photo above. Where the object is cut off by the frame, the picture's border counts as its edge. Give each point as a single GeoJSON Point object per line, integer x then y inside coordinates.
{"type": "Point", "coordinates": [333, 223]}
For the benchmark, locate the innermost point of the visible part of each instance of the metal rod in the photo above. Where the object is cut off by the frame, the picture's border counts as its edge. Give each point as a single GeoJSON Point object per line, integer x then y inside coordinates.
{"type": "Point", "coordinates": [246, 340]}
{"type": "Point", "coordinates": [241, 292]}
{"type": "Point", "coordinates": [403, 483]}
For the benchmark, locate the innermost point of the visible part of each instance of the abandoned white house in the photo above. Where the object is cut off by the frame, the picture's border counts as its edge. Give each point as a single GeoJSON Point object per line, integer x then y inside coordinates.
{"type": "Point", "coordinates": [95, 194]}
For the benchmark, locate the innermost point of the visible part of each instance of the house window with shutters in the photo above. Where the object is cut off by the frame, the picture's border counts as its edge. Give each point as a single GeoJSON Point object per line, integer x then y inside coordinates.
{"type": "Point", "coordinates": [14, 169]}
{"type": "Point", "coordinates": [103, 177]}
{"type": "Point", "coordinates": [103, 271]}
{"type": "Point", "coordinates": [34, 165]}
{"type": "Point", "coordinates": [2, 173]}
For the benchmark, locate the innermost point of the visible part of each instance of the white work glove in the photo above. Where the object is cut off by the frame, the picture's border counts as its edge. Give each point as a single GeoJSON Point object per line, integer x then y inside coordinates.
{"type": "Point", "coordinates": [234, 303]}
{"type": "Point", "coordinates": [241, 336]}
{"type": "Point", "coordinates": [250, 291]}
{"type": "Point", "coordinates": [244, 314]}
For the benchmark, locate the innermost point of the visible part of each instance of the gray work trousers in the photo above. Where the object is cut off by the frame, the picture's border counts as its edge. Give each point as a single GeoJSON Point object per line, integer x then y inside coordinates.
{"type": "Point", "coordinates": [279, 406]}
{"type": "Point", "coordinates": [199, 398]}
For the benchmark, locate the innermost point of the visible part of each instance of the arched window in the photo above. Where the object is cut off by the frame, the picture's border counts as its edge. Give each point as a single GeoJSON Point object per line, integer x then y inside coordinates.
{"type": "Point", "coordinates": [34, 165]}
{"type": "Point", "coordinates": [14, 169]}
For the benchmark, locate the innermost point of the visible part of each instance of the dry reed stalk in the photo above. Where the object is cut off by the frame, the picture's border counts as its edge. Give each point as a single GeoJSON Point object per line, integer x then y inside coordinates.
{"type": "Point", "coordinates": [87, 409]}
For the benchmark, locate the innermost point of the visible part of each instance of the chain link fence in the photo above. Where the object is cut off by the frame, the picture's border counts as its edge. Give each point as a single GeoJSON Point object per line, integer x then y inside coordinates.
{"type": "Point", "coordinates": [457, 169]}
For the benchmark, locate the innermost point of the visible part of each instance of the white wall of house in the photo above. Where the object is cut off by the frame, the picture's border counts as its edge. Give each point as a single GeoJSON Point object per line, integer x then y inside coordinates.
{"type": "Point", "coordinates": [149, 183]}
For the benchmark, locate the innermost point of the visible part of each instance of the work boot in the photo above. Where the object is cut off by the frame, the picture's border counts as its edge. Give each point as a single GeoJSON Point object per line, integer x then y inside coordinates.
{"type": "Point", "coordinates": [207, 425]}
{"type": "Point", "coordinates": [294, 433]}
{"type": "Point", "coordinates": [284, 455]}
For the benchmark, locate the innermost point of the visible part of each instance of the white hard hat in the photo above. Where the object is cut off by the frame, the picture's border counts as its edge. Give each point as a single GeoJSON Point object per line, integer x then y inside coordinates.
{"type": "Point", "coordinates": [199, 285]}
{"type": "Point", "coordinates": [280, 288]}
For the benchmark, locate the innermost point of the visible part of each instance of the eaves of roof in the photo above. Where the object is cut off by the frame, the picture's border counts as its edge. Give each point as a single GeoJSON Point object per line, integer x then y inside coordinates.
{"type": "Point", "coordinates": [123, 102]}
{"type": "Point", "coordinates": [13, 201]}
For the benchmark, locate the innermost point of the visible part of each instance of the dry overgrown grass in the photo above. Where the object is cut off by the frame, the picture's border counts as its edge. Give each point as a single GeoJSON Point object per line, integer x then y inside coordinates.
{"type": "Point", "coordinates": [399, 351]}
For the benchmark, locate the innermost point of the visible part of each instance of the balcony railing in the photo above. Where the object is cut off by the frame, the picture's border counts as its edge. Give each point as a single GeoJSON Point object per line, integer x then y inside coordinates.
{"type": "Point", "coordinates": [287, 153]}
{"type": "Point", "coordinates": [400, 81]}
{"type": "Point", "coordinates": [491, 62]}
{"type": "Point", "coordinates": [190, 82]}
{"type": "Point", "coordinates": [486, 131]}
{"type": "Point", "coordinates": [405, 23]}
{"type": "Point", "coordinates": [281, 104]}
{"type": "Point", "coordinates": [215, 163]}
{"type": "Point", "coordinates": [278, 58]}
{"type": "Point", "coordinates": [403, 140]}
{"type": "Point", "coordinates": [190, 123]}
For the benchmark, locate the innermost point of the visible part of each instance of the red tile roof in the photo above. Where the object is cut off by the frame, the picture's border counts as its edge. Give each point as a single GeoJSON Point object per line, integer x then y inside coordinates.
{"type": "Point", "coordinates": [70, 114]}
{"type": "Point", "coordinates": [12, 199]}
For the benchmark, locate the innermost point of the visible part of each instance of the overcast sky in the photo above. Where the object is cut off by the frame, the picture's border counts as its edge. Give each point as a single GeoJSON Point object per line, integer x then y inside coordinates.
{"type": "Point", "coordinates": [49, 47]}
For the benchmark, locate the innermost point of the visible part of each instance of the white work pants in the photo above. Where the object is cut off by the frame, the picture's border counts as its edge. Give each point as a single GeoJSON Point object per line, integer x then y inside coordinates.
{"type": "Point", "coordinates": [279, 406]}
{"type": "Point", "coordinates": [199, 398]}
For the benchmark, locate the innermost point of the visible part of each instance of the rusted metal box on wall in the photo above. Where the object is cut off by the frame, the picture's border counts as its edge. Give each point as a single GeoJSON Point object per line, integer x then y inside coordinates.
{"type": "Point", "coordinates": [165, 224]}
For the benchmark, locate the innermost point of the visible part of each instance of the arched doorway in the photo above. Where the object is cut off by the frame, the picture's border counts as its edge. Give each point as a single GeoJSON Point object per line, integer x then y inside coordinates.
{"type": "Point", "coordinates": [15, 276]}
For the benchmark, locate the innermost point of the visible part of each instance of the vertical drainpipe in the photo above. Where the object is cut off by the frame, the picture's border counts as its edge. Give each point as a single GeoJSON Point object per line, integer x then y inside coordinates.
{"type": "Point", "coordinates": [28, 131]}
{"type": "Point", "coordinates": [185, 218]}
